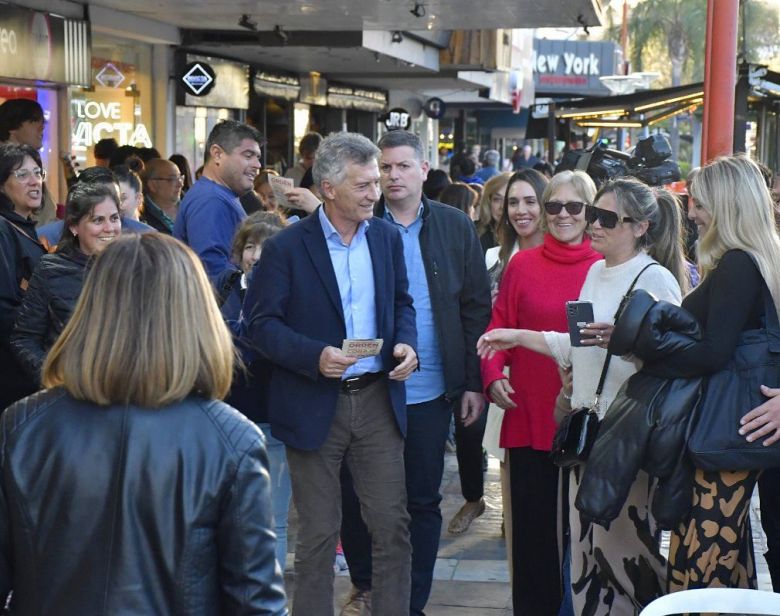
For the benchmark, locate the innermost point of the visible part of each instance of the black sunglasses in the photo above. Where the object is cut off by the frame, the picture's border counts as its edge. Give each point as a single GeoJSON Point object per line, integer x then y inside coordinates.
{"type": "Point", "coordinates": [606, 218]}
{"type": "Point", "coordinates": [553, 208]}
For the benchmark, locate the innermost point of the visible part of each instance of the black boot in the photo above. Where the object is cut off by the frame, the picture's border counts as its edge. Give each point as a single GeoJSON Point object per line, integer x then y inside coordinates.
{"type": "Point", "coordinates": [773, 562]}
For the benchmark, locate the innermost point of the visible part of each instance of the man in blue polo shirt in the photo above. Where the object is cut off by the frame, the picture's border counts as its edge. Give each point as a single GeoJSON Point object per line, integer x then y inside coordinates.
{"type": "Point", "coordinates": [210, 211]}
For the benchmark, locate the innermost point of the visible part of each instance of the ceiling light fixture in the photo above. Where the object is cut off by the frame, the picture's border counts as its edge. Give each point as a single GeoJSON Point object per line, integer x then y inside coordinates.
{"type": "Point", "coordinates": [279, 31]}
{"type": "Point", "coordinates": [397, 37]}
{"type": "Point", "coordinates": [247, 23]}
{"type": "Point", "coordinates": [581, 21]}
{"type": "Point", "coordinates": [418, 10]}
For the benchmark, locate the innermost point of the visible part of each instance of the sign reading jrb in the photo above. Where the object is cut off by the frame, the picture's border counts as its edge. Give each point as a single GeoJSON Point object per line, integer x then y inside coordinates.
{"type": "Point", "coordinates": [398, 119]}
{"type": "Point", "coordinates": [102, 116]}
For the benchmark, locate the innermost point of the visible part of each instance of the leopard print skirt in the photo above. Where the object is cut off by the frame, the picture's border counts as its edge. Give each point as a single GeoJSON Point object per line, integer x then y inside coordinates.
{"type": "Point", "coordinates": [714, 546]}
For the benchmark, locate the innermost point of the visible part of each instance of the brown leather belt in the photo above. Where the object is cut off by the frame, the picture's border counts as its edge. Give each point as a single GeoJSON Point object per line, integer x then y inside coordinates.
{"type": "Point", "coordinates": [356, 383]}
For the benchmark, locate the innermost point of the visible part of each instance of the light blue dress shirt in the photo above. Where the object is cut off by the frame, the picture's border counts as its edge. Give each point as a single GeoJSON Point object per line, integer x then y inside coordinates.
{"type": "Point", "coordinates": [427, 383]}
{"type": "Point", "coordinates": [355, 277]}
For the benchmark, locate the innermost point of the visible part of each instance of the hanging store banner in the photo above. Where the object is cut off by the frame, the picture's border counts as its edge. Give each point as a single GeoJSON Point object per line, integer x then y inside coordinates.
{"type": "Point", "coordinates": [363, 99]}
{"type": "Point", "coordinates": [572, 67]}
{"type": "Point", "coordinates": [44, 47]}
{"type": "Point", "coordinates": [286, 87]}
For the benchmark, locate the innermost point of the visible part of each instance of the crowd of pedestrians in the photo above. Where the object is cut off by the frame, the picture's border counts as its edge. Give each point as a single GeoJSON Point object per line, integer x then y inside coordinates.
{"type": "Point", "coordinates": [356, 326]}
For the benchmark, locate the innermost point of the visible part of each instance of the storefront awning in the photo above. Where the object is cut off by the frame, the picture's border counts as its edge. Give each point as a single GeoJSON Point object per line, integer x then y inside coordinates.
{"type": "Point", "coordinates": [636, 110]}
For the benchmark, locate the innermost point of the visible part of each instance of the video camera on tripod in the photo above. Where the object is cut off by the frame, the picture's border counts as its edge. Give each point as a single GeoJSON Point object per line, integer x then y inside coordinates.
{"type": "Point", "coordinates": [650, 162]}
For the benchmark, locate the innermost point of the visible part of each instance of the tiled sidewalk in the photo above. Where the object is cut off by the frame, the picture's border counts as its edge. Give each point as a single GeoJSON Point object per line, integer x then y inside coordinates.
{"type": "Point", "coordinates": [471, 576]}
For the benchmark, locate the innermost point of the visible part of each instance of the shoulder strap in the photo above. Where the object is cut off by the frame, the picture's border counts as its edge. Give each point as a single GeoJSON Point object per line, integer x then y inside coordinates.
{"type": "Point", "coordinates": [42, 242]}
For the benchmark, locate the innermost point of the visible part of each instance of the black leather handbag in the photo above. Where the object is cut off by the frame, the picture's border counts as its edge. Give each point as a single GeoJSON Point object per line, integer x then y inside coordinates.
{"type": "Point", "coordinates": [715, 442]}
{"type": "Point", "coordinates": [577, 432]}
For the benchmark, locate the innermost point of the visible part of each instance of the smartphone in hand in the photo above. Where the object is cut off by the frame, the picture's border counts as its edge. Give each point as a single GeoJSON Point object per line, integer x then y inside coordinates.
{"type": "Point", "coordinates": [578, 315]}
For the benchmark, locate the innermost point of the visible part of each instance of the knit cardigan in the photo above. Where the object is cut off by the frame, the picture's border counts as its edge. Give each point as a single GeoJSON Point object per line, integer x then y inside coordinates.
{"type": "Point", "coordinates": [535, 287]}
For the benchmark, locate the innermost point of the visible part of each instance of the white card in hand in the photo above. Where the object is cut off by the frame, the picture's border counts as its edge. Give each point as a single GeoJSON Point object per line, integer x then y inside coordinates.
{"type": "Point", "coordinates": [281, 186]}
{"type": "Point", "coordinates": [362, 347]}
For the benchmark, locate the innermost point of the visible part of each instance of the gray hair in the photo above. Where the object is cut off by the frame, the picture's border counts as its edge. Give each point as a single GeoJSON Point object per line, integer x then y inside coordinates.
{"type": "Point", "coordinates": [228, 134]}
{"type": "Point", "coordinates": [492, 158]}
{"type": "Point", "coordinates": [336, 151]}
{"type": "Point", "coordinates": [400, 138]}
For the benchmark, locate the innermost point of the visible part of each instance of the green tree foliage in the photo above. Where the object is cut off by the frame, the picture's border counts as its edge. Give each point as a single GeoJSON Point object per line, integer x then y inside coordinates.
{"type": "Point", "coordinates": [759, 32]}
{"type": "Point", "coordinates": [680, 25]}
{"type": "Point", "coordinates": [678, 28]}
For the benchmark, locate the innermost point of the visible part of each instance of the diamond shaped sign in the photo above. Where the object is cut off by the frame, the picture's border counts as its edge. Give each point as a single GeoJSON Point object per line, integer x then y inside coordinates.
{"type": "Point", "coordinates": [109, 76]}
{"type": "Point", "coordinates": [199, 78]}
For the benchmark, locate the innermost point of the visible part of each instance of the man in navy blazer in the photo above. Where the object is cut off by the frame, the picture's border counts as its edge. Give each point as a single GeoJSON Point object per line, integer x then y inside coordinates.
{"type": "Point", "coordinates": [339, 274]}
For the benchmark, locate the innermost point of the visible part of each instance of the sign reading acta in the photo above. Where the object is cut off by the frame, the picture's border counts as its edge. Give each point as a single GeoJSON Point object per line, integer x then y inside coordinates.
{"type": "Point", "coordinates": [108, 123]}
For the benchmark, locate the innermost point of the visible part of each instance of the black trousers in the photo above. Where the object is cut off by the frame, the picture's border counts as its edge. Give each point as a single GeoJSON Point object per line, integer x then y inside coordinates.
{"type": "Point", "coordinates": [536, 579]}
{"type": "Point", "coordinates": [769, 493]}
{"type": "Point", "coordinates": [468, 445]}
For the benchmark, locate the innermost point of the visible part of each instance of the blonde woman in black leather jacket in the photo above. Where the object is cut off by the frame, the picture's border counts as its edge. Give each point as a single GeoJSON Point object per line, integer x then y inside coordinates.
{"type": "Point", "coordinates": [127, 487]}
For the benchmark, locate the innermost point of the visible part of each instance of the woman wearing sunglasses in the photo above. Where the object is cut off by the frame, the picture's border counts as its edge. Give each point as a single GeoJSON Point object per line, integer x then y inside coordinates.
{"type": "Point", "coordinates": [534, 288]}
{"type": "Point", "coordinates": [614, 572]}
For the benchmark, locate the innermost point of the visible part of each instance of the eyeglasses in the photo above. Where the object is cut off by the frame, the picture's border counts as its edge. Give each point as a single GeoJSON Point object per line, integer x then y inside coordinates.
{"type": "Point", "coordinates": [24, 174]}
{"type": "Point", "coordinates": [553, 208]}
{"type": "Point", "coordinates": [606, 218]}
{"type": "Point", "coordinates": [175, 178]}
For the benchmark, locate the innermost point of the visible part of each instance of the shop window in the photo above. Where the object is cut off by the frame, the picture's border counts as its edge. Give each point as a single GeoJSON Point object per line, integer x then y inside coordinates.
{"type": "Point", "coordinates": [118, 104]}
{"type": "Point", "coordinates": [193, 125]}
{"type": "Point", "coordinates": [47, 99]}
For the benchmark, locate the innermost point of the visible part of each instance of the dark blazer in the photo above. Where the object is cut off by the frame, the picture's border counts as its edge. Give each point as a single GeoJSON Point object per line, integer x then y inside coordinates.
{"type": "Point", "coordinates": [293, 308]}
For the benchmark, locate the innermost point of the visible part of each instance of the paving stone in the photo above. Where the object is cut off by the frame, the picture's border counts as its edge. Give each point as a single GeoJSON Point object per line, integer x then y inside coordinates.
{"type": "Point", "coordinates": [475, 596]}
{"type": "Point", "coordinates": [481, 571]}
{"type": "Point", "coordinates": [471, 573]}
{"type": "Point", "coordinates": [444, 568]}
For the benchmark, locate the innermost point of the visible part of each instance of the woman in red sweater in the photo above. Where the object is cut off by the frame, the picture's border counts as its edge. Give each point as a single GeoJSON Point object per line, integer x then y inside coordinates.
{"type": "Point", "coordinates": [534, 289]}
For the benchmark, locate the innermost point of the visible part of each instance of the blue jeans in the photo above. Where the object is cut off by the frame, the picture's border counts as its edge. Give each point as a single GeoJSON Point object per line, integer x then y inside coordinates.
{"type": "Point", "coordinates": [429, 424]}
{"type": "Point", "coordinates": [280, 490]}
{"type": "Point", "coordinates": [567, 605]}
